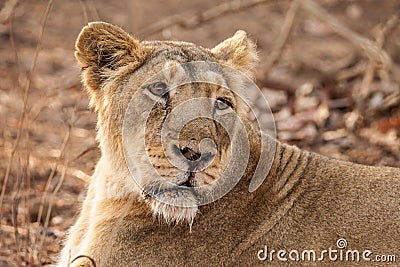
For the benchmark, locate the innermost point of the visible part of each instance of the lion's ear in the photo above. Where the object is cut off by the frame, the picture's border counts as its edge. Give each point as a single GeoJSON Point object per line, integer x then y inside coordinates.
{"type": "Point", "coordinates": [101, 47]}
{"type": "Point", "coordinates": [238, 51]}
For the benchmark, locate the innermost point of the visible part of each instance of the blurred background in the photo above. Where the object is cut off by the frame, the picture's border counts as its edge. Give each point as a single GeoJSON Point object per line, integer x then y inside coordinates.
{"type": "Point", "coordinates": [329, 69]}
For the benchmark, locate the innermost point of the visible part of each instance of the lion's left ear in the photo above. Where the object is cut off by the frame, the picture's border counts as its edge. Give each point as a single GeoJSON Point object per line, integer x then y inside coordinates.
{"type": "Point", "coordinates": [237, 51]}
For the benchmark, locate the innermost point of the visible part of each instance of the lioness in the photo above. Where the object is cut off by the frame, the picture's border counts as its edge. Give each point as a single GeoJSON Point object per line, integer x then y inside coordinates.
{"type": "Point", "coordinates": [309, 211]}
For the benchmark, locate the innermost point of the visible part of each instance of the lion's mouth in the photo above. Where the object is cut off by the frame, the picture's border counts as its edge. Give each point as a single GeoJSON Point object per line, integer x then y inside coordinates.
{"type": "Point", "coordinates": [190, 179]}
{"type": "Point", "coordinates": [196, 166]}
{"type": "Point", "coordinates": [185, 184]}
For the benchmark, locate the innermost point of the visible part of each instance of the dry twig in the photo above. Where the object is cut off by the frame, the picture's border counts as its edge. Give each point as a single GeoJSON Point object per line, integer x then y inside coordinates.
{"type": "Point", "coordinates": [371, 48]}
{"type": "Point", "coordinates": [364, 90]}
{"type": "Point", "coordinates": [197, 19]}
{"type": "Point", "coordinates": [283, 35]}
{"type": "Point", "coordinates": [7, 10]}
{"type": "Point", "coordinates": [369, 73]}
{"type": "Point", "coordinates": [36, 163]}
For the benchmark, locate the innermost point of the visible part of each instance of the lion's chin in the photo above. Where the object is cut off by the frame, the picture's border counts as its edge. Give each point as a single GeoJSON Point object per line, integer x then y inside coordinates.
{"type": "Point", "coordinates": [173, 214]}
{"type": "Point", "coordinates": [174, 206]}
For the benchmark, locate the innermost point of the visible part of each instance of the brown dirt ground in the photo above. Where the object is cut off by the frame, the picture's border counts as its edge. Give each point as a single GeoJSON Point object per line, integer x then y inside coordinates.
{"type": "Point", "coordinates": [313, 90]}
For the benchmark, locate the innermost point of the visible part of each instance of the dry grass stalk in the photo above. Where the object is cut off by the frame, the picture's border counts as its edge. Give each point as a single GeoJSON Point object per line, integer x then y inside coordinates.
{"type": "Point", "coordinates": [71, 122]}
{"type": "Point", "coordinates": [25, 101]}
{"type": "Point", "coordinates": [23, 124]}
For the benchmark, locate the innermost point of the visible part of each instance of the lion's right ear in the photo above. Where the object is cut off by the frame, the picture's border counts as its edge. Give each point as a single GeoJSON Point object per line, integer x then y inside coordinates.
{"type": "Point", "coordinates": [238, 51]}
{"type": "Point", "coordinates": [102, 47]}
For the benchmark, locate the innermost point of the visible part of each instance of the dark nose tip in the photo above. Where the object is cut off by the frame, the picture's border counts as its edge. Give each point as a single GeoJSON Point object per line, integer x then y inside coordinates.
{"type": "Point", "coordinates": [190, 154]}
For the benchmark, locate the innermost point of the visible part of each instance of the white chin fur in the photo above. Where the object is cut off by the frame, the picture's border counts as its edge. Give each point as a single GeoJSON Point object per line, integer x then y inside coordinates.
{"type": "Point", "coordinates": [171, 214]}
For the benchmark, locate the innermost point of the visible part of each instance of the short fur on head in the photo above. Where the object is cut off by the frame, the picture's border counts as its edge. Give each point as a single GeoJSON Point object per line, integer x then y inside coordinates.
{"type": "Point", "coordinates": [306, 201]}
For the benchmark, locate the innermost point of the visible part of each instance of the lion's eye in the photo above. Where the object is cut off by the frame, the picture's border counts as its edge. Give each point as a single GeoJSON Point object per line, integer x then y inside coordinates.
{"type": "Point", "coordinates": [158, 88]}
{"type": "Point", "coordinates": [222, 104]}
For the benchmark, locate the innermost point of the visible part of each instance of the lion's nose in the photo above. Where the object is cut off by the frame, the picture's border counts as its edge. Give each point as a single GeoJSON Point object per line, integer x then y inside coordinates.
{"type": "Point", "coordinates": [190, 154]}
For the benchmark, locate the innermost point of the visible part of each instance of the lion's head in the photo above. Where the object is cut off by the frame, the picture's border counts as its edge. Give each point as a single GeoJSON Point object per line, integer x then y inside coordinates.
{"type": "Point", "coordinates": [167, 111]}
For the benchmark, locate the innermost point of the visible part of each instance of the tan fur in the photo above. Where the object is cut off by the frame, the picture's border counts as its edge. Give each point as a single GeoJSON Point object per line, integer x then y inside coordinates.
{"type": "Point", "coordinates": [307, 201]}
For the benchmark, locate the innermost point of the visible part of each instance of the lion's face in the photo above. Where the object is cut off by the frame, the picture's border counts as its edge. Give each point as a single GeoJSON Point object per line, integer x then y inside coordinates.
{"type": "Point", "coordinates": [203, 143]}
{"type": "Point", "coordinates": [188, 155]}
{"type": "Point", "coordinates": [181, 144]}
{"type": "Point", "coordinates": [169, 120]}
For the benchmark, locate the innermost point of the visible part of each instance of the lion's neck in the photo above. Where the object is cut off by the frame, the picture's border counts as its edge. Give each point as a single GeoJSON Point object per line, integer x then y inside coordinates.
{"type": "Point", "coordinates": [290, 167]}
{"type": "Point", "coordinates": [291, 171]}
{"type": "Point", "coordinates": [287, 171]}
